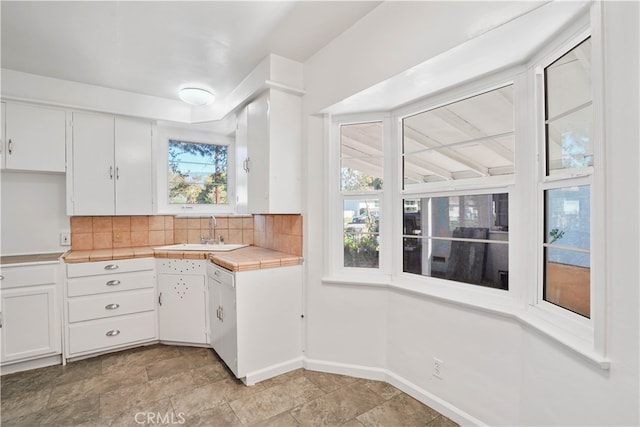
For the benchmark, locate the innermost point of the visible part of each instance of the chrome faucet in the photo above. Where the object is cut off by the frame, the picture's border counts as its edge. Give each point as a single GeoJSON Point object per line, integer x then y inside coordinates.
{"type": "Point", "coordinates": [211, 239]}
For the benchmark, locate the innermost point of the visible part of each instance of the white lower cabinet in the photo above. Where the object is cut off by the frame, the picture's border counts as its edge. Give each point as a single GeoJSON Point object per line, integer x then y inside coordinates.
{"type": "Point", "coordinates": [222, 315]}
{"type": "Point", "coordinates": [181, 300]}
{"type": "Point", "coordinates": [256, 320]}
{"type": "Point", "coordinates": [252, 319]}
{"type": "Point", "coordinates": [109, 305]}
{"type": "Point", "coordinates": [30, 318]}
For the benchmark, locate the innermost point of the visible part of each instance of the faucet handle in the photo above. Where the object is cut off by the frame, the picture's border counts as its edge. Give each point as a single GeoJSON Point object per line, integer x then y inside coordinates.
{"type": "Point", "coordinates": [221, 239]}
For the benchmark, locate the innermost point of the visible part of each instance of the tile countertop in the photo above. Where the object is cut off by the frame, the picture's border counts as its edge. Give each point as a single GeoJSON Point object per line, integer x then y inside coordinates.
{"type": "Point", "coordinates": [248, 258]}
{"type": "Point", "coordinates": [253, 258]}
{"type": "Point", "coordinates": [30, 258]}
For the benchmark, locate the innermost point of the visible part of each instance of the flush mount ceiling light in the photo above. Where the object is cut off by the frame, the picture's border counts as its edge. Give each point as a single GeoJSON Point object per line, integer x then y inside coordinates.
{"type": "Point", "coordinates": [196, 96]}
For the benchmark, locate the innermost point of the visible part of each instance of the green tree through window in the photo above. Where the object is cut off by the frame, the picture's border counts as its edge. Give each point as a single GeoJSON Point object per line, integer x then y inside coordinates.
{"type": "Point", "coordinates": [197, 173]}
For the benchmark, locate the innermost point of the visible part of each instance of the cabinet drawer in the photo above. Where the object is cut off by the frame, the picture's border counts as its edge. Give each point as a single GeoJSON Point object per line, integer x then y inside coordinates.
{"type": "Point", "coordinates": [220, 275]}
{"type": "Point", "coordinates": [109, 267]}
{"type": "Point", "coordinates": [28, 276]}
{"type": "Point", "coordinates": [109, 283]}
{"type": "Point", "coordinates": [110, 305]}
{"type": "Point", "coordinates": [112, 332]}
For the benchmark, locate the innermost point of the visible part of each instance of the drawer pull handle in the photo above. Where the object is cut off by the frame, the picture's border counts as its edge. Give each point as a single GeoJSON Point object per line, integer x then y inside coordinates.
{"type": "Point", "coordinates": [111, 306]}
{"type": "Point", "coordinates": [111, 267]}
{"type": "Point", "coordinates": [1, 277]}
{"type": "Point", "coordinates": [112, 333]}
{"type": "Point", "coordinates": [217, 272]}
{"type": "Point", "coordinates": [113, 282]}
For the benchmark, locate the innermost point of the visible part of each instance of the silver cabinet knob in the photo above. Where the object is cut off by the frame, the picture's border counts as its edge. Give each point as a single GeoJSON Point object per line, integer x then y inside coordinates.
{"type": "Point", "coordinates": [112, 333]}
{"type": "Point", "coordinates": [111, 306]}
{"type": "Point", "coordinates": [113, 282]}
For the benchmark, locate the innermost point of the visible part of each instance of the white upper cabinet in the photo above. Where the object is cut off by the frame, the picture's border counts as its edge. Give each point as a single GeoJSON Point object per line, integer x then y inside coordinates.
{"type": "Point", "coordinates": [33, 138]}
{"type": "Point", "coordinates": [111, 172]}
{"type": "Point", "coordinates": [241, 163]}
{"type": "Point", "coordinates": [134, 167]}
{"type": "Point", "coordinates": [271, 165]}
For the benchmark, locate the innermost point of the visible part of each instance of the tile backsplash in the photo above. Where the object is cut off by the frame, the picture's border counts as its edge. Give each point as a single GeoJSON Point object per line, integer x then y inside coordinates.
{"type": "Point", "coordinates": [278, 232]}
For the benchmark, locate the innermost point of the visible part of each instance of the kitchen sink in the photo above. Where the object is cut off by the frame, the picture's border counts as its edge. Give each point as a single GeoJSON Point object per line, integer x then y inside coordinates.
{"type": "Point", "coordinates": [209, 247]}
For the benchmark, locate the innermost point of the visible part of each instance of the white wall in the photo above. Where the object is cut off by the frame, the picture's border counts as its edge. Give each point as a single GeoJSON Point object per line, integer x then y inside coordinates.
{"type": "Point", "coordinates": [32, 206]}
{"type": "Point", "coordinates": [497, 370]}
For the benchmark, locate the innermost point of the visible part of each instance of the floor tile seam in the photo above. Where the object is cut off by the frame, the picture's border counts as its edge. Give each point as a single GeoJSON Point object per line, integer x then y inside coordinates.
{"type": "Point", "coordinates": [20, 395]}
{"type": "Point", "coordinates": [46, 406]}
{"type": "Point", "coordinates": [173, 408]}
{"type": "Point", "coordinates": [228, 403]}
{"type": "Point", "coordinates": [192, 370]}
{"type": "Point", "coordinates": [102, 396]}
{"type": "Point", "coordinates": [299, 421]}
{"type": "Point", "coordinates": [357, 414]}
{"type": "Point", "coordinates": [101, 388]}
{"type": "Point", "coordinates": [103, 417]}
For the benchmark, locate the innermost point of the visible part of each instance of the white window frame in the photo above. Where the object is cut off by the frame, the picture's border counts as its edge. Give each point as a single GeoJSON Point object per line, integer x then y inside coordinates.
{"type": "Point", "coordinates": [459, 291]}
{"type": "Point", "coordinates": [579, 331]}
{"type": "Point", "coordinates": [187, 135]}
{"type": "Point", "coordinates": [337, 197]}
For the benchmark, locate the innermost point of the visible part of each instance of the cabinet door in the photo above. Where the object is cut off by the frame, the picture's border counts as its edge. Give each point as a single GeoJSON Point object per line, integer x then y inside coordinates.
{"type": "Point", "coordinates": [228, 349]}
{"type": "Point", "coordinates": [181, 311]}
{"type": "Point", "coordinates": [222, 322]}
{"type": "Point", "coordinates": [93, 167]}
{"type": "Point", "coordinates": [215, 302]}
{"type": "Point", "coordinates": [133, 167]}
{"type": "Point", "coordinates": [285, 134]}
{"type": "Point", "coordinates": [30, 323]}
{"type": "Point", "coordinates": [3, 134]}
{"type": "Point", "coordinates": [241, 163]}
{"type": "Point", "coordinates": [258, 154]}
{"type": "Point", "coordinates": [35, 138]}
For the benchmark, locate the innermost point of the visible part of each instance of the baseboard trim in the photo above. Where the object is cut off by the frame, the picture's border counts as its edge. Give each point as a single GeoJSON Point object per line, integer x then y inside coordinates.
{"type": "Point", "coordinates": [42, 362]}
{"type": "Point", "coordinates": [372, 373]}
{"type": "Point", "coordinates": [357, 371]}
{"type": "Point", "coordinates": [274, 370]}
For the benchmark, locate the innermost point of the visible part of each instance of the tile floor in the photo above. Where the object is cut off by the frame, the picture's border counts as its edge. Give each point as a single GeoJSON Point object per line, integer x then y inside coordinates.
{"type": "Point", "coordinates": [168, 385]}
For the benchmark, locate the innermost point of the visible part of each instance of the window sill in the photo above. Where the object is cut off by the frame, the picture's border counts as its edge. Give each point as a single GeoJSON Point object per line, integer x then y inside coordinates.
{"type": "Point", "coordinates": [491, 301]}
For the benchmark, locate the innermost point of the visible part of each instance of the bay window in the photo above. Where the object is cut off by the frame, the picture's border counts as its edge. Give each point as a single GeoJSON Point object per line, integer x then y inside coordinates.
{"type": "Point", "coordinates": [449, 232]}
{"type": "Point", "coordinates": [486, 194]}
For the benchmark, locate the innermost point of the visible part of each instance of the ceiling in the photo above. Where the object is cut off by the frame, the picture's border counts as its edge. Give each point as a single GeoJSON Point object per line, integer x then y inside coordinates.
{"type": "Point", "coordinates": [157, 47]}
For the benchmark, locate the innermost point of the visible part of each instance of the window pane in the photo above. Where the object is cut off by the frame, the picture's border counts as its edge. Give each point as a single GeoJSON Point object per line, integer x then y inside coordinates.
{"type": "Point", "coordinates": [568, 280]}
{"type": "Point", "coordinates": [568, 217]}
{"type": "Point", "coordinates": [568, 113]}
{"type": "Point", "coordinates": [566, 250]}
{"type": "Point", "coordinates": [466, 139]}
{"type": "Point", "coordinates": [361, 156]}
{"type": "Point", "coordinates": [461, 238]}
{"type": "Point", "coordinates": [570, 141]}
{"type": "Point", "coordinates": [197, 173]}
{"type": "Point", "coordinates": [361, 233]}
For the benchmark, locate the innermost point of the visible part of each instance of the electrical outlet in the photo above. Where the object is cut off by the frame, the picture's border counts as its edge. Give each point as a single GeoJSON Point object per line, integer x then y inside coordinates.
{"type": "Point", "coordinates": [438, 366]}
{"type": "Point", "coordinates": [65, 238]}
